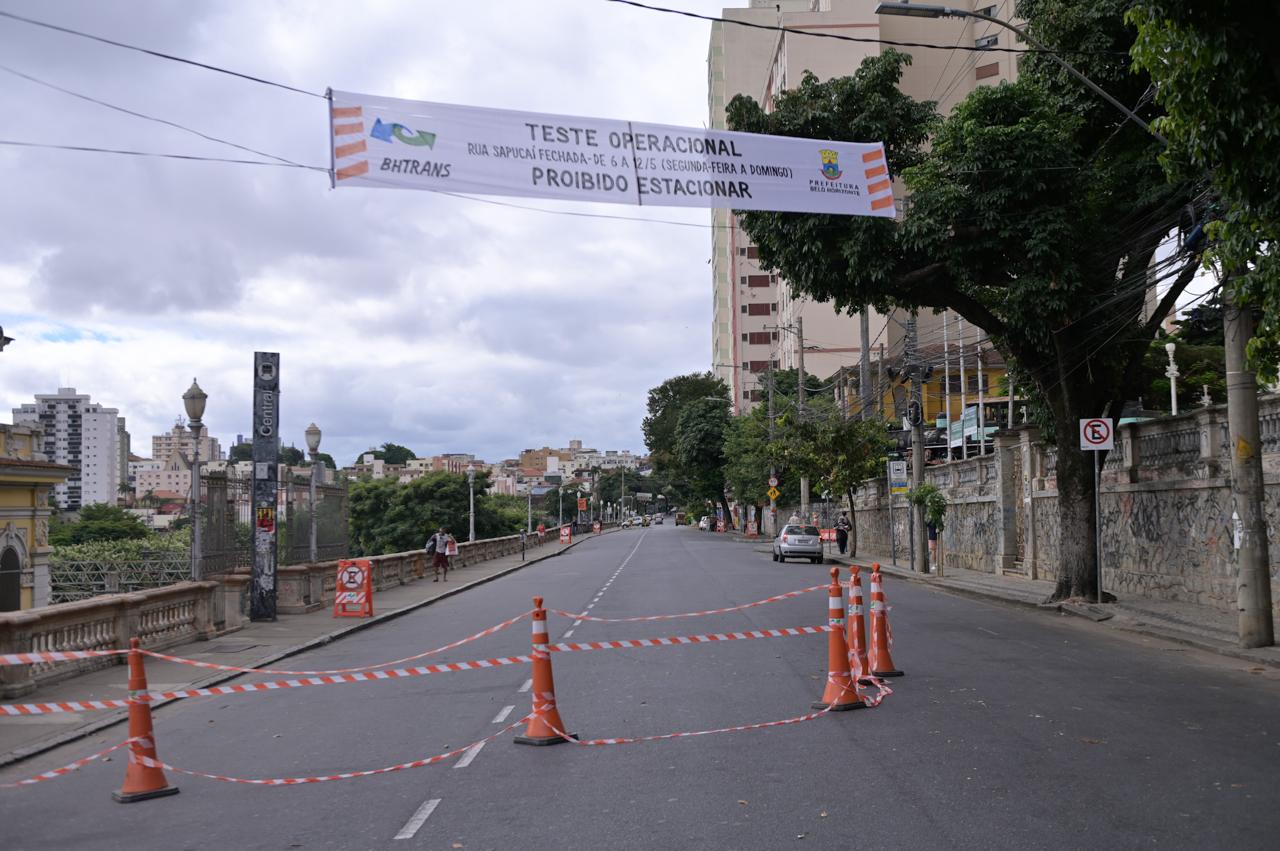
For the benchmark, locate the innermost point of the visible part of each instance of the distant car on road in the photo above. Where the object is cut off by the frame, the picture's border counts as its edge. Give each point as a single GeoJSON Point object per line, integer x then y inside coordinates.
{"type": "Point", "coordinates": [657, 521]}
{"type": "Point", "coordinates": [798, 542]}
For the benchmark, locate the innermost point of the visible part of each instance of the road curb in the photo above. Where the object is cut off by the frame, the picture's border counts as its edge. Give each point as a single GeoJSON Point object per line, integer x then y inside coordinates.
{"type": "Point", "coordinates": [121, 715]}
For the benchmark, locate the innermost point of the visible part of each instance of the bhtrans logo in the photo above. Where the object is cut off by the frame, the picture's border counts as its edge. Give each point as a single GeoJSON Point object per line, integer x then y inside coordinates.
{"type": "Point", "coordinates": [831, 164]}
{"type": "Point", "coordinates": [387, 132]}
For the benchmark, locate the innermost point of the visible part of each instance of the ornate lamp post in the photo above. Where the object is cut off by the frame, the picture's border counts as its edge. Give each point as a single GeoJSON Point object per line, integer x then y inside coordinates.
{"type": "Point", "coordinates": [1172, 374]}
{"type": "Point", "coordinates": [194, 401]}
{"type": "Point", "coordinates": [471, 487]}
{"type": "Point", "coordinates": [313, 449]}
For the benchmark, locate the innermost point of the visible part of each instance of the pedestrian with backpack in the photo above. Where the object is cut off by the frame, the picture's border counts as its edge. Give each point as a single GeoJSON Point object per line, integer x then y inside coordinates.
{"type": "Point", "coordinates": [438, 548]}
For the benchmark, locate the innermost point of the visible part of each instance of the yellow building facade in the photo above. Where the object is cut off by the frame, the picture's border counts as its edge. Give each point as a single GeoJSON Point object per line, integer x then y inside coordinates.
{"type": "Point", "coordinates": [26, 481]}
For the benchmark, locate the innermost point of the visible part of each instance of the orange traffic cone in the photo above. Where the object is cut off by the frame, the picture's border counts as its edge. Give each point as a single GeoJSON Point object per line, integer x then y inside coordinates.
{"type": "Point", "coordinates": [855, 629]}
{"type": "Point", "coordinates": [839, 695]}
{"type": "Point", "coordinates": [141, 781]}
{"type": "Point", "coordinates": [545, 727]}
{"type": "Point", "coordinates": [881, 633]}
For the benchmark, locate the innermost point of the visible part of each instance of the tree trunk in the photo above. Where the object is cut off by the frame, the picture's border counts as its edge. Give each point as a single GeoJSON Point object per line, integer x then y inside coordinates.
{"type": "Point", "coordinates": [728, 518]}
{"type": "Point", "coordinates": [1077, 530]}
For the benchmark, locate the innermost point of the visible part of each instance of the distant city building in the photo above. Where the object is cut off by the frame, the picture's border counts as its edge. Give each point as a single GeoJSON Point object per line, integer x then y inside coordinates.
{"type": "Point", "coordinates": [167, 479]}
{"type": "Point", "coordinates": [78, 433]}
{"type": "Point", "coordinates": [180, 439]}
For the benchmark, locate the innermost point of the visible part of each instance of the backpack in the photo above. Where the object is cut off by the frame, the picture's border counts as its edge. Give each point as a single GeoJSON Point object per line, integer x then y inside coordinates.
{"type": "Point", "coordinates": [431, 545]}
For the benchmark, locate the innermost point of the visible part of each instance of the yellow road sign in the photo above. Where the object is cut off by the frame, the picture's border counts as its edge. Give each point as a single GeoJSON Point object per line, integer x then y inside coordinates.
{"type": "Point", "coordinates": [774, 493]}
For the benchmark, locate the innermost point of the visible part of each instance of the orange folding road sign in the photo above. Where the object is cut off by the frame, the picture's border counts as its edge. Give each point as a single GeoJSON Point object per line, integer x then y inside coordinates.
{"type": "Point", "coordinates": [354, 593]}
{"type": "Point", "coordinates": [566, 535]}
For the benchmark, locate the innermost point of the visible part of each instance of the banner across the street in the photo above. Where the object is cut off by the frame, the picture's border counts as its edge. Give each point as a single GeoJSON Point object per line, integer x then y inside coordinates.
{"type": "Point", "coordinates": [404, 144]}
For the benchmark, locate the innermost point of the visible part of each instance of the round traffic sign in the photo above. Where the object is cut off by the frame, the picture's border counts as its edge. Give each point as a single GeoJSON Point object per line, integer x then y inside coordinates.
{"type": "Point", "coordinates": [352, 577]}
{"type": "Point", "coordinates": [1096, 432]}
{"type": "Point", "coordinates": [773, 481]}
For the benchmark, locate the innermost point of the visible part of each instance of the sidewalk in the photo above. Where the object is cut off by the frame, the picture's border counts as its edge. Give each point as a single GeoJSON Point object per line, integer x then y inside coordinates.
{"type": "Point", "coordinates": [1185, 623]}
{"type": "Point", "coordinates": [257, 645]}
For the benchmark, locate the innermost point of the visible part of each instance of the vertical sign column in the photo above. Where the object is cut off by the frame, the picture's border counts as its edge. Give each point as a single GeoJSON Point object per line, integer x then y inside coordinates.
{"type": "Point", "coordinates": [266, 457]}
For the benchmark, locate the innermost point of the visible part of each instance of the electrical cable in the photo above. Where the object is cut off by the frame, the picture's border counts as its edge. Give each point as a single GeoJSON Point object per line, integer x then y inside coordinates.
{"type": "Point", "coordinates": [855, 39]}
{"type": "Point", "coordinates": [89, 149]}
{"type": "Point", "coordinates": [144, 116]}
{"type": "Point", "coordinates": [157, 54]}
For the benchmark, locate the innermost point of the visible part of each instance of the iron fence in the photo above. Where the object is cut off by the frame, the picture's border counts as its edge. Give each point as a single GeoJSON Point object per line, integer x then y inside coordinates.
{"type": "Point", "coordinates": [79, 580]}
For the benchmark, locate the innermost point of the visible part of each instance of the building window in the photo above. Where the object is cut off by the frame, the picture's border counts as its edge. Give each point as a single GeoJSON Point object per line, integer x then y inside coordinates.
{"type": "Point", "coordinates": [759, 280]}
{"type": "Point", "coordinates": [775, 364]}
{"type": "Point", "coordinates": [746, 365]}
{"type": "Point", "coordinates": [744, 308]}
{"type": "Point", "coordinates": [744, 337]}
{"type": "Point", "coordinates": [759, 309]}
{"type": "Point", "coordinates": [986, 41]}
{"type": "Point", "coordinates": [758, 338]}
{"type": "Point", "coordinates": [989, 11]}
{"type": "Point", "coordinates": [773, 307]}
{"type": "Point", "coordinates": [743, 280]}
{"type": "Point", "coordinates": [982, 72]}
{"type": "Point", "coordinates": [746, 394]}
{"type": "Point", "coordinates": [752, 252]}
{"type": "Point", "coordinates": [742, 252]}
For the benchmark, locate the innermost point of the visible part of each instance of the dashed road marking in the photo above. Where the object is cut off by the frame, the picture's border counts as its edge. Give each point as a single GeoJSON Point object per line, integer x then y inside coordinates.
{"type": "Point", "coordinates": [528, 684]}
{"type": "Point", "coordinates": [468, 755]}
{"type": "Point", "coordinates": [412, 826]}
{"type": "Point", "coordinates": [502, 716]}
{"type": "Point", "coordinates": [568, 633]}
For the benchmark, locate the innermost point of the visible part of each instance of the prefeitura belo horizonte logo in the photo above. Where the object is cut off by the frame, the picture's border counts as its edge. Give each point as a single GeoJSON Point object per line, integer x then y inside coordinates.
{"type": "Point", "coordinates": [831, 164]}
{"type": "Point", "coordinates": [387, 132]}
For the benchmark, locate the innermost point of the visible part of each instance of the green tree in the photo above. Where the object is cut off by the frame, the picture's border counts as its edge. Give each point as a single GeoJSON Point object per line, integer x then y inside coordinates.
{"type": "Point", "coordinates": [390, 453]}
{"type": "Point", "coordinates": [666, 401]}
{"type": "Point", "coordinates": [292, 456]}
{"type": "Point", "coordinates": [388, 517]}
{"type": "Point", "coordinates": [97, 523]}
{"type": "Point", "coordinates": [1218, 80]}
{"type": "Point", "coordinates": [327, 459]}
{"type": "Point", "coordinates": [699, 448]}
{"type": "Point", "coordinates": [1034, 214]}
{"type": "Point", "coordinates": [241, 452]}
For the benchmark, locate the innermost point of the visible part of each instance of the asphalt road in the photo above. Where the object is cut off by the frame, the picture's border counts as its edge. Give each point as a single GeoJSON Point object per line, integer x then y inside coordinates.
{"type": "Point", "coordinates": [1012, 729]}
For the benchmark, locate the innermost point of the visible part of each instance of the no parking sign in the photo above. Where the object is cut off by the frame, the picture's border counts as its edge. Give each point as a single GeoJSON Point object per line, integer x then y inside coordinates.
{"type": "Point", "coordinates": [1097, 434]}
{"type": "Point", "coordinates": [353, 596]}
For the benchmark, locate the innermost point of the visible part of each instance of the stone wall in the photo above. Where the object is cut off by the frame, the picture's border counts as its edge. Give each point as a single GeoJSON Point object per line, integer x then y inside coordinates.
{"type": "Point", "coordinates": [1165, 508]}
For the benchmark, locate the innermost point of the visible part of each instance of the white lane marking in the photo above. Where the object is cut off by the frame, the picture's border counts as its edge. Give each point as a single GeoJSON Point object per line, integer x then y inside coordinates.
{"type": "Point", "coordinates": [468, 755]}
{"type": "Point", "coordinates": [984, 629]}
{"type": "Point", "coordinates": [419, 818]}
{"type": "Point", "coordinates": [577, 623]}
{"type": "Point", "coordinates": [502, 716]}
{"type": "Point", "coordinates": [568, 633]}
{"type": "Point", "coordinates": [528, 684]}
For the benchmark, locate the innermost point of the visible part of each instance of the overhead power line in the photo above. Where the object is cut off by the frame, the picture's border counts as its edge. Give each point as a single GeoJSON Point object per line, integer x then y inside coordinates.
{"type": "Point", "coordinates": [145, 117]}
{"type": "Point", "coordinates": [838, 37]}
{"type": "Point", "coordinates": [89, 149]}
{"type": "Point", "coordinates": [158, 54]}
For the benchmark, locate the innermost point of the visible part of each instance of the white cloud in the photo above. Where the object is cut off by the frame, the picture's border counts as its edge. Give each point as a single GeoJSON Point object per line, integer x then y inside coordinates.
{"type": "Point", "coordinates": [442, 323]}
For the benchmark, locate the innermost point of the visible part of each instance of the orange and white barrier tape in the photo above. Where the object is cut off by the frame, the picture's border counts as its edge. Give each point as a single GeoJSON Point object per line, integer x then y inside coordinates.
{"type": "Point", "coordinates": [214, 691]}
{"type": "Point", "coordinates": [451, 646]}
{"type": "Point", "coordinates": [787, 596]}
{"type": "Point", "coordinates": [677, 640]}
{"type": "Point", "coordinates": [55, 656]}
{"type": "Point", "coordinates": [67, 769]}
{"type": "Point", "coordinates": [328, 778]}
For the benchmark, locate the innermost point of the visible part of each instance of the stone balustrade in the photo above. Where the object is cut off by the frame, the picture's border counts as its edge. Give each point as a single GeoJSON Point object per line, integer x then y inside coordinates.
{"type": "Point", "coordinates": [187, 611]}
{"type": "Point", "coordinates": [158, 617]}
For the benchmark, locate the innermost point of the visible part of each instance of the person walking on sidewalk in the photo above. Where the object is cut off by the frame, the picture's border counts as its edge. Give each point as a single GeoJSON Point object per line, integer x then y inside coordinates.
{"type": "Point", "coordinates": [842, 531]}
{"type": "Point", "coordinates": [438, 545]}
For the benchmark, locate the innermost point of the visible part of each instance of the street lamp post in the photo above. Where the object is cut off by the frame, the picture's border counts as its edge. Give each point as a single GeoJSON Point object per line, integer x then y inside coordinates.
{"type": "Point", "coordinates": [194, 401]}
{"type": "Point", "coordinates": [471, 488]}
{"type": "Point", "coordinates": [1172, 374]}
{"type": "Point", "coordinates": [313, 449]}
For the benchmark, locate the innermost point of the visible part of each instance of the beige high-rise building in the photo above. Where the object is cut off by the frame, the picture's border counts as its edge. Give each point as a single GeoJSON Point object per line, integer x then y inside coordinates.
{"type": "Point", "coordinates": [757, 315]}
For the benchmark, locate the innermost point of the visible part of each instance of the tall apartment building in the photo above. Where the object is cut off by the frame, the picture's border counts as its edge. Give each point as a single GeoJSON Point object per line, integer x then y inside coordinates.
{"type": "Point", "coordinates": [756, 314]}
{"type": "Point", "coordinates": [82, 434]}
{"type": "Point", "coordinates": [179, 439]}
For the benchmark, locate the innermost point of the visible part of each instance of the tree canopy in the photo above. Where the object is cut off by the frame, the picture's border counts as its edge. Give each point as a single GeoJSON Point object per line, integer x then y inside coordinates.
{"type": "Point", "coordinates": [388, 517]}
{"type": "Point", "coordinates": [97, 523]}
{"type": "Point", "coordinates": [666, 401]}
{"type": "Point", "coordinates": [1035, 213]}
{"type": "Point", "coordinates": [390, 453]}
{"type": "Point", "coordinates": [1218, 80]}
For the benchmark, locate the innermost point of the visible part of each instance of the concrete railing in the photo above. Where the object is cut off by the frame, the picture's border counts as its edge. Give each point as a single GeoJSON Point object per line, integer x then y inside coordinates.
{"type": "Point", "coordinates": [188, 611]}
{"type": "Point", "coordinates": [159, 618]}
{"type": "Point", "coordinates": [308, 587]}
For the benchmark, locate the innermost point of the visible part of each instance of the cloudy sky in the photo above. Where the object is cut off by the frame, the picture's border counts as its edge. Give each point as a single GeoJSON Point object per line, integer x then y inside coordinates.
{"type": "Point", "coordinates": [444, 324]}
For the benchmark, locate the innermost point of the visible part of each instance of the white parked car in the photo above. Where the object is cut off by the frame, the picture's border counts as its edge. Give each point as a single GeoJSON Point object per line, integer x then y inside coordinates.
{"type": "Point", "coordinates": [705, 523]}
{"type": "Point", "coordinates": [798, 542]}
